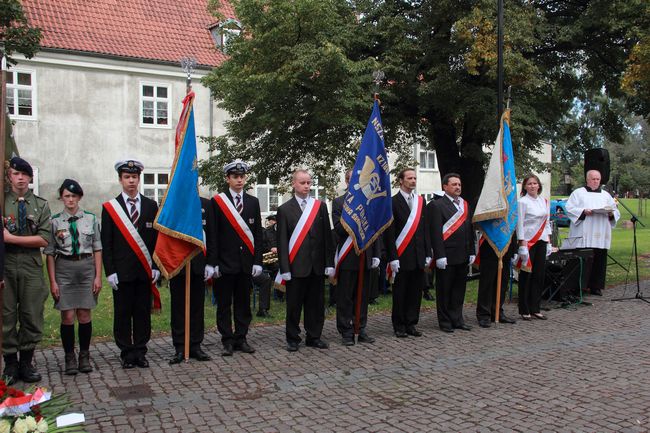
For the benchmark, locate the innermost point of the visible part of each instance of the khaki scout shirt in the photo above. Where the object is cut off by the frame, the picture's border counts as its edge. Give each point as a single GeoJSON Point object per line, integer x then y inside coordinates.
{"type": "Point", "coordinates": [38, 219]}
{"type": "Point", "coordinates": [60, 241]}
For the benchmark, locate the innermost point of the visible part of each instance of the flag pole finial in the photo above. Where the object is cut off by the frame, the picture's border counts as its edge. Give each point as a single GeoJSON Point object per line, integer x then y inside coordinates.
{"type": "Point", "coordinates": [377, 77]}
{"type": "Point", "coordinates": [188, 64]}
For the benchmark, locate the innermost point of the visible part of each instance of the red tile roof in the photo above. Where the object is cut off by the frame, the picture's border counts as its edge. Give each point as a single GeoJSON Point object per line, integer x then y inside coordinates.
{"type": "Point", "coordinates": [156, 30]}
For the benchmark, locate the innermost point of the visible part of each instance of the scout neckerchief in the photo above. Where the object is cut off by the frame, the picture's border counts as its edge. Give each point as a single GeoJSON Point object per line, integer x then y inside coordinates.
{"type": "Point", "coordinates": [236, 221]}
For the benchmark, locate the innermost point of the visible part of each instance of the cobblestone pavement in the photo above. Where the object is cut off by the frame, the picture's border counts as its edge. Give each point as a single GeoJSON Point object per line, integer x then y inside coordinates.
{"type": "Point", "coordinates": [584, 370]}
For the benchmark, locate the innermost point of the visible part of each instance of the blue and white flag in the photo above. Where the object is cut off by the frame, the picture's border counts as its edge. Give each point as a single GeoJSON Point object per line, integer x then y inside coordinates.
{"type": "Point", "coordinates": [367, 208]}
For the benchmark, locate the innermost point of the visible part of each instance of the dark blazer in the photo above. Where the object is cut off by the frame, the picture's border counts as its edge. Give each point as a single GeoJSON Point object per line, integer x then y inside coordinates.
{"type": "Point", "coordinates": [351, 261]}
{"type": "Point", "coordinates": [460, 245]}
{"type": "Point", "coordinates": [317, 250]}
{"type": "Point", "coordinates": [232, 255]}
{"type": "Point", "coordinates": [419, 248]}
{"type": "Point", "coordinates": [117, 255]}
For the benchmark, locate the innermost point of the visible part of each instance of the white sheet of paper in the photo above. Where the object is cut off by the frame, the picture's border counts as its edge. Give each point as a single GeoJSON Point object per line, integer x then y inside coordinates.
{"type": "Point", "coordinates": [70, 419]}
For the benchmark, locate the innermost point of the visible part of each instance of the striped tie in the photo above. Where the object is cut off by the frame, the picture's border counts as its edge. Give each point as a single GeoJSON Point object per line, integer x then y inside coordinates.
{"type": "Point", "coordinates": [238, 204]}
{"type": "Point", "coordinates": [134, 210]}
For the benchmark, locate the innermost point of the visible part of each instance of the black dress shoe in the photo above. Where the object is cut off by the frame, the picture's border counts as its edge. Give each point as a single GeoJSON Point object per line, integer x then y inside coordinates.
{"type": "Point", "coordinates": [401, 334]}
{"type": "Point", "coordinates": [427, 295]}
{"type": "Point", "coordinates": [177, 358]}
{"type": "Point", "coordinates": [227, 349]}
{"type": "Point", "coordinates": [448, 330]}
{"type": "Point", "coordinates": [142, 362]}
{"type": "Point", "coordinates": [413, 331]}
{"type": "Point", "coordinates": [484, 323]}
{"type": "Point", "coordinates": [317, 343]}
{"type": "Point", "coordinates": [127, 364]}
{"type": "Point", "coordinates": [506, 319]}
{"type": "Point", "coordinates": [292, 347]}
{"type": "Point", "coordinates": [199, 355]}
{"type": "Point", "coordinates": [365, 338]}
{"type": "Point", "coordinates": [244, 347]}
{"type": "Point", "coordinates": [10, 373]}
{"type": "Point", "coordinates": [348, 341]}
{"type": "Point", "coordinates": [464, 327]}
{"type": "Point", "coordinates": [596, 292]}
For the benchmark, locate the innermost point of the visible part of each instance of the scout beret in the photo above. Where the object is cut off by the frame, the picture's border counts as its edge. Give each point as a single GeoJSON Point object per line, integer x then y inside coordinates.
{"type": "Point", "coordinates": [20, 164]}
{"type": "Point", "coordinates": [72, 186]}
{"type": "Point", "coordinates": [236, 167]}
{"type": "Point", "coordinates": [129, 166]}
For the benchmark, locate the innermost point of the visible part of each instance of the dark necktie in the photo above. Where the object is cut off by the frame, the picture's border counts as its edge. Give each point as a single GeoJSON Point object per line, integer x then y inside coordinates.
{"type": "Point", "coordinates": [134, 210]}
{"type": "Point", "coordinates": [238, 204]}
{"type": "Point", "coordinates": [457, 203]}
{"type": "Point", "coordinates": [22, 216]}
{"type": "Point", "coordinates": [74, 234]}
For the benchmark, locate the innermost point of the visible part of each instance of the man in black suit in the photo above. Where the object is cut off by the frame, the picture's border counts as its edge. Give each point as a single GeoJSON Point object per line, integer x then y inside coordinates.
{"type": "Point", "coordinates": [131, 279]}
{"type": "Point", "coordinates": [238, 239]}
{"type": "Point", "coordinates": [487, 284]}
{"type": "Point", "coordinates": [408, 248]}
{"type": "Point", "coordinates": [453, 249]}
{"type": "Point", "coordinates": [264, 281]}
{"type": "Point", "coordinates": [200, 272]}
{"type": "Point", "coordinates": [347, 274]}
{"type": "Point", "coordinates": [305, 263]}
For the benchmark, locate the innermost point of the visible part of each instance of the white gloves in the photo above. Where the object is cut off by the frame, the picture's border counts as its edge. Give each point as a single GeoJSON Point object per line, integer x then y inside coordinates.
{"type": "Point", "coordinates": [549, 249]}
{"type": "Point", "coordinates": [471, 259]}
{"type": "Point", "coordinates": [207, 272]}
{"type": "Point", "coordinates": [374, 263]}
{"type": "Point", "coordinates": [394, 266]}
{"type": "Point", "coordinates": [113, 281]}
{"type": "Point", "coordinates": [286, 276]}
{"type": "Point", "coordinates": [216, 273]}
{"type": "Point", "coordinates": [257, 271]}
{"type": "Point", "coordinates": [514, 259]}
{"type": "Point", "coordinates": [329, 272]}
{"type": "Point", "coordinates": [427, 262]}
{"type": "Point", "coordinates": [155, 274]}
{"type": "Point", "coordinates": [523, 253]}
{"type": "Point", "coordinates": [441, 263]}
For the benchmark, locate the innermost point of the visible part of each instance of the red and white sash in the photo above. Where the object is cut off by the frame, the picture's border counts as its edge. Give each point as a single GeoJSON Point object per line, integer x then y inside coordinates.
{"type": "Point", "coordinates": [528, 266]}
{"type": "Point", "coordinates": [409, 229]}
{"type": "Point", "coordinates": [341, 254]}
{"type": "Point", "coordinates": [133, 238]}
{"type": "Point", "coordinates": [236, 221]}
{"type": "Point", "coordinates": [299, 232]}
{"type": "Point", "coordinates": [455, 222]}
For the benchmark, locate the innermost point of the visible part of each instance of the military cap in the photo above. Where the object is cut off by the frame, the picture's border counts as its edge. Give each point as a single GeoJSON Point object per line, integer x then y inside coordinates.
{"type": "Point", "coordinates": [20, 164]}
{"type": "Point", "coordinates": [72, 186]}
{"type": "Point", "coordinates": [272, 217]}
{"type": "Point", "coordinates": [236, 167]}
{"type": "Point", "coordinates": [129, 166]}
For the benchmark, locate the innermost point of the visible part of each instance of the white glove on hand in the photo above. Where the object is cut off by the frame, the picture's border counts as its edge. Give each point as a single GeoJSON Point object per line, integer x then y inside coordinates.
{"type": "Point", "coordinates": [155, 274]}
{"type": "Point", "coordinates": [515, 259]}
{"type": "Point", "coordinates": [441, 263]}
{"type": "Point", "coordinates": [216, 273]}
{"type": "Point", "coordinates": [329, 272]}
{"type": "Point", "coordinates": [523, 254]}
{"type": "Point", "coordinates": [471, 259]}
{"type": "Point", "coordinates": [113, 281]}
{"type": "Point", "coordinates": [549, 249]}
{"type": "Point", "coordinates": [374, 263]}
{"type": "Point", "coordinates": [286, 276]}
{"type": "Point", "coordinates": [427, 262]}
{"type": "Point", "coordinates": [207, 272]}
{"type": "Point", "coordinates": [394, 266]}
{"type": "Point", "coordinates": [257, 271]}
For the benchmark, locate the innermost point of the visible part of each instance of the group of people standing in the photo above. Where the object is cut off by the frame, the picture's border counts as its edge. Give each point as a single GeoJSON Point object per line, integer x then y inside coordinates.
{"type": "Point", "coordinates": [437, 236]}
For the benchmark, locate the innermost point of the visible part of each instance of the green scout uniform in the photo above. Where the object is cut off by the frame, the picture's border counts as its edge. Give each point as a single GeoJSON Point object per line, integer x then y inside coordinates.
{"type": "Point", "coordinates": [25, 290]}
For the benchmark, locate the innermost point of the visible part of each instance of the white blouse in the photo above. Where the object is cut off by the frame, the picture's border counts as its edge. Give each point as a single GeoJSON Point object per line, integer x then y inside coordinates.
{"type": "Point", "coordinates": [532, 212]}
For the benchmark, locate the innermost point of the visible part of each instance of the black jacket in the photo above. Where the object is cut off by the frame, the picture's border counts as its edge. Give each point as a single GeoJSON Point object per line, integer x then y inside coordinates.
{"type": "Point", "coordinates": [418, 249]}
{"type": "Point", "coordinates": [460, 245]}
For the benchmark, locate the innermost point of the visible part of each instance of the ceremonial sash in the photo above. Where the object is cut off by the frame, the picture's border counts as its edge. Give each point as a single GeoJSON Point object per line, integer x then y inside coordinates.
{"type": "Point", "coordinates": [407, 232]}
{"type": "Point", "coordinates": [341, 254]}
{"type": "Point", "coordinates": [454, 223]}
{"type": "Point", "coordinates": [528, 267]}
{"type": "Point", "coordinates": [133, 238]}
{"type": "Point", "coordinates": [299, 232]}
{"type": "Point", "coordinates": [477, 260]}
{"type": "Point", "coordinates": [236, 221]}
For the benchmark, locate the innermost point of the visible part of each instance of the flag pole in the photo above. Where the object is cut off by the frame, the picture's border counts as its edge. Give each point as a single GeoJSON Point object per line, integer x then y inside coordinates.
{"type": "Point", "coordinates": [498, 303]}
{"type": "Point", "coordinates": [3, 144]}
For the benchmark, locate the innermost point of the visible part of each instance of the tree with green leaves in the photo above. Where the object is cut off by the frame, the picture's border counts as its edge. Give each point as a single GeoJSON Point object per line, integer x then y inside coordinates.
{"type": "Point", "coordinates": [16, 35]}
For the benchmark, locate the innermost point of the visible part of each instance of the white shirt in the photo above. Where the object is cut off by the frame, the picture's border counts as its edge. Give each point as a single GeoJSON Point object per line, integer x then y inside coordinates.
{"type": "Point", "coordinates": [458, 206]}
{"type": "Point", "coordinates": [234, 195]}
{"type": "Point", "coordinates": [408, 196]}
{"type": "Point", "coordinates": [532, 212]}
{"type": "Point", "coordinates": [307, 200]}
{"type": "Point", "coordinates": [138, 203]}
{"type": "Point", "coordinates": [595, 230]}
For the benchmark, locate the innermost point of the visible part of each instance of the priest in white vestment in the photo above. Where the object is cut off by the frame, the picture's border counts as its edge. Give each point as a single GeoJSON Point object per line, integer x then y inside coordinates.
{"type": "Point", "coordinates": [593, 214]}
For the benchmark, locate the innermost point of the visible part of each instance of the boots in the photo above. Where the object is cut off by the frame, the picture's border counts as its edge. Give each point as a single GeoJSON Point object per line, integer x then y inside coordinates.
{"type": "Point", "coordinates": [26, 370]}
{"type": "Point", "coordinates": [71, 367]}
{"type": "Point", "coordinates": [11, 368]}
{"type": "Point", "coordinates": [84, 361]}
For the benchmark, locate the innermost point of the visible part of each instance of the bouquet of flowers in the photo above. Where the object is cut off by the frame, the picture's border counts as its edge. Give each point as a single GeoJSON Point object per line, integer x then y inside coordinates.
{"type": "Point", "coordinates": [32, 412]}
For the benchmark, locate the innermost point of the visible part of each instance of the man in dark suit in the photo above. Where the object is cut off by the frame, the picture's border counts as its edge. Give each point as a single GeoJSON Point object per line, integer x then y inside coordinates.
{"type": "Point", "coordinates": [305, 263]}
{"type": "Point", "coordinates": [238, 229]}
{"type": "Point", "coordinates": [453, 249]}
{"type": "Point", "coordinates": [408, 248]}
{"type": "Point", "coordinates": [264, 281]}
{"type": "Point", "coordinates": [131, 279]}
{"type": "Point", "coordinates": [200, 272]}
{"type": "Point", "coordinates": [347, 274]}
{"type": "Point", "coordinates": [487, 284]}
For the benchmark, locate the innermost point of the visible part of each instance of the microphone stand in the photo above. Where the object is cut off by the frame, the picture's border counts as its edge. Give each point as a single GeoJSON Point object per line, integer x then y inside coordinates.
{"type": "Point", "coordinates": [638, 294]}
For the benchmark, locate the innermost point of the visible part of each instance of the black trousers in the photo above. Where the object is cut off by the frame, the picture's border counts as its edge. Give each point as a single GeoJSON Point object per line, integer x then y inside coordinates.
{"type": "Point", "coordinates": [407, 298]}
{"type": "Point", "coordinates": [132, 318]}
{"type": "Point", "coordinates": [263, 283]}
{"type": "Point", "coordinates": [531, 284]}
{"type": "Point", "coordinates": [487, 283]}
{"type": "Point", "coordinates": [598, 270]}
{"type": "Point", "coordinates": [450, 295]}
{"type": "Point", "coordinates": [197, 299]}
{"type": "Point", "coordinates": [233, 295]}
{"type": "Point", "coordinates": [346, 302]}
{"type": "Point", "coordinates": [309, 293]}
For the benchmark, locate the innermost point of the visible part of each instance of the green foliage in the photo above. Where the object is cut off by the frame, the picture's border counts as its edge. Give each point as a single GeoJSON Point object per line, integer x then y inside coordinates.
{"type": "Point", "coordinates": [630, 160]}
{"type": "Point", "coordinates": [15, 33]}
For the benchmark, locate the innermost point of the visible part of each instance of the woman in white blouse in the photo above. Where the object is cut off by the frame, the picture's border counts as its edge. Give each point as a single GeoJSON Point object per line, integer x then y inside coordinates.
{"type": "Point", "coordinates": [533, 235]}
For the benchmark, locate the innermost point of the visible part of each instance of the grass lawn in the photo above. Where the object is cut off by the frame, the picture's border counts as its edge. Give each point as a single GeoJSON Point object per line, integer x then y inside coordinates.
{"type": "Point", "coordinates": [103, 315]}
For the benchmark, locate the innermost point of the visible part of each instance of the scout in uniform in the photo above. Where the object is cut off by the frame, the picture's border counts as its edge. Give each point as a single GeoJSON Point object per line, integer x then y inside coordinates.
{"type": "Point", "coordinates": [27, 230]}
{"type": "Point", "coordinates": [74, 267]}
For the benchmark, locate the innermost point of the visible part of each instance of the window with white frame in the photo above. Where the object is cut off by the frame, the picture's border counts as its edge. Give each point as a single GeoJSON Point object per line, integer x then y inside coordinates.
{"type": "Point", "coordinates": [223, 33]}
{"type": "Point", "coordinates": [153, 184]}
{"type": "Point", "coordinates": [21, 94]}
{"type": "Point", "coordinates": [268, 196]}
{"type": "Point", "coordinates": [154, 105]}
{"type": "Point", "coordinates": [317, 192]}
{"type": "Point", "coordinates": [428, 160]}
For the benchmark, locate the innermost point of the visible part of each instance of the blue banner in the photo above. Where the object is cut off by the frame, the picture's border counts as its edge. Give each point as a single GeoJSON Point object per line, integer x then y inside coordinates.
{"type": "Point", "coordinates": [367, 208]}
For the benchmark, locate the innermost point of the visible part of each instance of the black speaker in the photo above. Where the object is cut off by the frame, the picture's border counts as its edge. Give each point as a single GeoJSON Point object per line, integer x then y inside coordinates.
{"type": "Point", "coordinates": [598, 159]}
